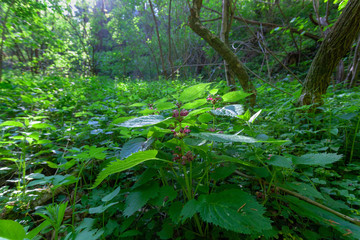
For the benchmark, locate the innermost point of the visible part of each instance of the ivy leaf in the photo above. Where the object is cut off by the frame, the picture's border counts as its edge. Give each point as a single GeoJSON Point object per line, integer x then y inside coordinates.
{"type": "Point", "coordinates": [137, 199]}
{"type": "Point", "coordinates": [219, 137]}
{"type": "Point", "coordinates": [234, 210]}
{"type": "Point", "coordinates": [11, 230]}
{"type": "Point", "coordinates": [229, 111]}
{"type": "Point", "coordinates": [122, 165]}
{"type": "Point", "coordinates": [143, 121]}
{"type": "Point", "coordinates": [235, 96]}
{"type": "Point", "coordinates": [193, 92]}
{"type": "Point", "coordinates": [315, 159]}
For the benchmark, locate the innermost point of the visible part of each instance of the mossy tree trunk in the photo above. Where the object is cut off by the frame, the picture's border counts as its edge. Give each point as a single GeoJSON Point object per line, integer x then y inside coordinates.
{"type": "Point", "coordinates": [335, 45]}
{"type": "Point", "coordinates": [222, 48]}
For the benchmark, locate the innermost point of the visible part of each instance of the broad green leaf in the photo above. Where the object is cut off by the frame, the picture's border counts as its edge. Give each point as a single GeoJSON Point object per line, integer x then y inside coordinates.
{"type": "Point", "coordinates": [101, 208]}
{"type": "Point", "coordinates": [317, 159]}
{"type": "Point", "coordinates": [166, 232]}
{"type": "Point", "coordinates": [234, 210]}
{"type": "Point", "coordinates": [175, 211]}
{"type": "Point", "coordinates": [111, 195]}
{"type": "Point", "coordinates": [137, 199]}
{"type": "Point", "coordinates": [229, 111]}
{"type": "Point", "coordinates": [11, 230]}
{"type": "Point", "coordinates": [219, 137]}
{"type": "Point", "coordinates": [122, 165]}
{"type": "Point", "coordinates": [235, 96]}
{"type": "Point", "coordinates": [198, 111]}
{"type": "Point", "coordinates": [132, 146]}
{"type": "Point", "coordinates": [193, 92]}
{"type": "Point", "coordinates": [12, 124]}
{"type": "Point", "coordinates": [138, 105]}
{"type": "Point", "coordinates": [143, 121]}
{"type": "Point", "coordinates": [166, 194]}
{"type": "Point", "coordinates": [280, 161]}
{"type": "Point", "coordinates": [164, 106]}
{"type": "Point", "coordinates": [194, 104]}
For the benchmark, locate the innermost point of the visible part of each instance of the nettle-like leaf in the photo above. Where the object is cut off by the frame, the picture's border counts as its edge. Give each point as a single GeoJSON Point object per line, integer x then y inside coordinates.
{"type": "Point", "coordinates": [280, 161]}
{"type": "Point", "coordinates": [219, 137]}
{"type": "Point", "coordinates": [122, 165]}
{"type": "Point", "coordinates": [229, 111]}
{"type": "Point", "coordinates": [193, 92]}
{"type": "Point", "coordinates": [315, 159]}
{"type": "Point", "coordinates": [234, 210]}
{"type": "Point", "coordinates": [12, 124]}
{"type": "Point", "coordinates": [143, 121]}
{"type": "Point", "coordinates": [235, 96]}
{"type": "Point", "coordinates": [138, 198]}
{"type": "Point", "coordinates": [164, 106]}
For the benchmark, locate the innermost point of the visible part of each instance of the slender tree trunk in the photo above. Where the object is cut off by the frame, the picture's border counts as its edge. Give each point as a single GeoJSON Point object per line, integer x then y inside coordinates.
{"type": "Point", "coordinates": [3, 39]}
{"type": "Point", "coordinates": [219, 46]}
{"type": "Point", "coordinates": [224, 36]}
{"type": "Point", "coordinates": [158, 37]}
{"type": "Point", "coordinates": [169, 39]}
{"type": "Point", "coordinates": [335, 45]}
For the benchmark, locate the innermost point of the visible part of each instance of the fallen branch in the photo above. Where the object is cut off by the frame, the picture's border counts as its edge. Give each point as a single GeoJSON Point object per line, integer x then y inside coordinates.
{"type": "Point", "coordinates": [306, 199]}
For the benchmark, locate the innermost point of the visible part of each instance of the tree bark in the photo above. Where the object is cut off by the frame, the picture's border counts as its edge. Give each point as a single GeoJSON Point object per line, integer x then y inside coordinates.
{"type": "Point", "coordinates": [169, 39]}
{"type": "Point", "coordinates": [219, 46]}
{"type": "Point", "coordinates": [158, 37]}
{"type": "Point", "coordinates": [3, 38]}
{"type": "Point", "coordinates": [335, 45]}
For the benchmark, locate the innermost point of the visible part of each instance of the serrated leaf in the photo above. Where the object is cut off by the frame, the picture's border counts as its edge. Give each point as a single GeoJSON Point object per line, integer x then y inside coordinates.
{"type": "Point", "coordinates": [145, 177]}
{"type": "Point", "coordinates": [132, 146]}
{"type": "Point", "coordinates": [164, 106]}
{"type": "Point", "coordinates": [111, 195]}
{"type": "Point", "coordinates": [189, 209]}
{"type": "Point", "coordinates": [166, 194]}
{"type": "Point", "coordinates": [234, 210]}
{"type": "Point", "coordinates": [229, 111]}
{"type": "Point", "coordinates": [194, 104]}
{"type": "Point", "coordinates": [315, 159]}
{"type": "Point", "coordinates": [136, 200]}
{"type": "Point", "coordinates": [12, 124]}
{"type": "Point", "coordinates": [219, 137]}
{"type": "Point", "coordinates": [193, 92]}
{"type": "Point", "coordinates": [122, 165]}
{"type": "Point", "coordinates": [143, 121]}
{"type": "Point", "coordinates": [280, 161]}
{"type": "Point", "coordinates": [11, 230]}
{"type": "Point", "coordinates": [235, 96]}
{"type": "Point", "coordinates": [198, 111]}
{"type": "Point", "coordinates": [175, 211]}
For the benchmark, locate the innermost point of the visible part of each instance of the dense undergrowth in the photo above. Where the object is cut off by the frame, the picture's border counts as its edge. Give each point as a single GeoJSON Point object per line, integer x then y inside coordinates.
{"type": "Point", "coordinates": [101, 159]}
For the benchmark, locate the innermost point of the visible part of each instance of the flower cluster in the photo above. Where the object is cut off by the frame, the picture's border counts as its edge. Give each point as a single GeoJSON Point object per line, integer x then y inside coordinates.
{"type": "Point", "coordinates": [182, 132]}
{"type": "Point", "coordinates": [213, 99]}
{"type": "Point", "coordinates": [182, 113]}
{"type": "Point", "coordinates": [183, 159]}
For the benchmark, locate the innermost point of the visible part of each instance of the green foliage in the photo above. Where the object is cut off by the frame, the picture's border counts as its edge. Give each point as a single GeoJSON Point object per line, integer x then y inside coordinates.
{"type": "Point", "coordinates": [11, 230]}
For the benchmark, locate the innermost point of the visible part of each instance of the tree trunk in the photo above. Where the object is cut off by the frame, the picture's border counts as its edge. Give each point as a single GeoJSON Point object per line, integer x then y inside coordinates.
{"type": "Point", "coordinates": [3, 39]}
{"type": "Point", "coordinates": [335, 45]}
{"type": "Point", "coordinates": [224, 36]}
{"type": "Point", "coordinates": [158, 37]}
{"type": "Point", "coordinates": [169, 39]}
{"type": "Point", "coordinates": [220, 47]}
